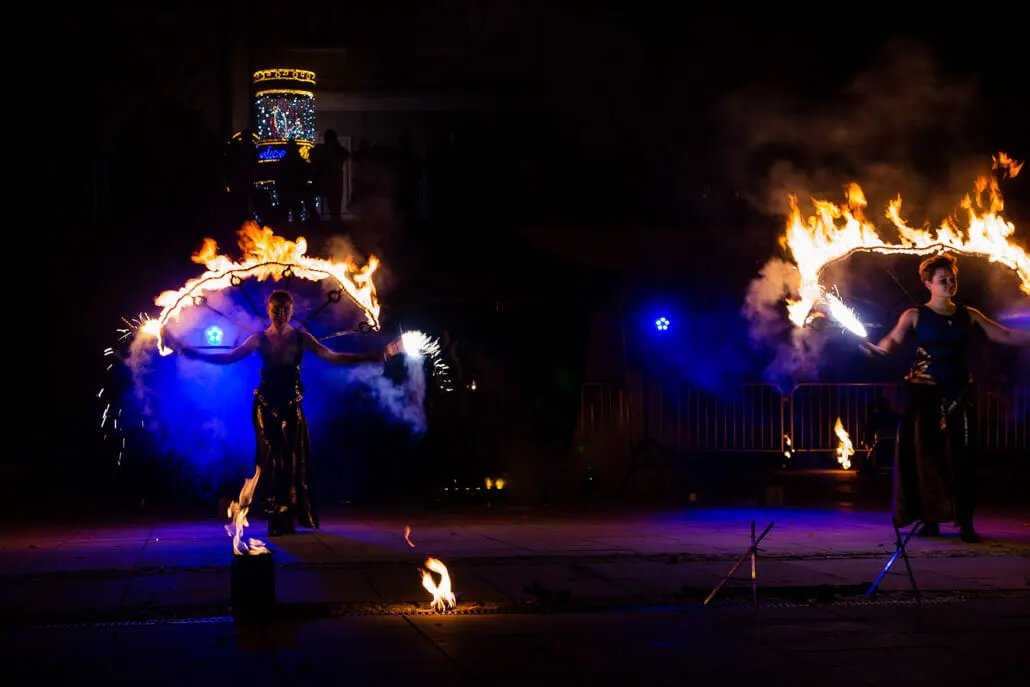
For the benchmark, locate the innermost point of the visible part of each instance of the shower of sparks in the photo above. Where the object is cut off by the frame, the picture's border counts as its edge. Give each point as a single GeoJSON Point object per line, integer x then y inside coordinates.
{"type": "Point", "coordinates": [845, 315]}
{"type": "Point", "coordinates": [420, 346]}
{"type": "Point", "coordinates": [133, 325]}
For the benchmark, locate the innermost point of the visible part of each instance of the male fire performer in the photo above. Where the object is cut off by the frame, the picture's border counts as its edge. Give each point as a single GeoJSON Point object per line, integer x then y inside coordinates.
{"type": "Point", "coordinates": [283, 439]}
{"type": "Point", "coordinates": [933, 465]}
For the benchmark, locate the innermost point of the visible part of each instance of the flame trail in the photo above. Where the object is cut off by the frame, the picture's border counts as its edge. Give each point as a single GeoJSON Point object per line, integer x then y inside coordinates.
{"type": "Point", "coordinates": [407, 536]}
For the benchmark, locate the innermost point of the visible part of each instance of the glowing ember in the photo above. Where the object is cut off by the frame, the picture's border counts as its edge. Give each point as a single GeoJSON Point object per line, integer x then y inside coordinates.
{"type": "Point", "coordinates": [443, 597]}
{"type": "Point", "coordinates": [835, 231]}
{"type": "Point", "coordinates": [844, 450]}
{"type": "Point", "coordinates": [238, 516]}
{"type": "Point", "coordinates": [407, 536]}
{"type": "Point", "coordinates": [264, 256]}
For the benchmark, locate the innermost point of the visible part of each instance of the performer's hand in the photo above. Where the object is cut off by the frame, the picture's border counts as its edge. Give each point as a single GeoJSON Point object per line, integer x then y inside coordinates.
{"type": "Point", "coordinates": [872, 350]}
{"type": "Point", "coordinates": [393, 348]}
{"type": "Point", "coordinates": [171, 342]}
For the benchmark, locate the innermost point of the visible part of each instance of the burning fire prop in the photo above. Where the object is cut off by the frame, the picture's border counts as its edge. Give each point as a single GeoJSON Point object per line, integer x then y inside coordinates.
{"type": "Point", "coordinates": [844, 449]}
{"type": "Point", "coordinates": [836, 231]}
{"type": "Point", "coordinates": [443, 597]}
{"type": "Point", "coordinates": [238, 517]}
{"type": "Point", "coordinates": [420, 346]}
{"type": "Point", "coordinates": [266, 255]}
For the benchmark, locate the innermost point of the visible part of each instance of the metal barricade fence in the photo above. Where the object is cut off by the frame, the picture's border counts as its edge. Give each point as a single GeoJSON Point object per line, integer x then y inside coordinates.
{"type": "Point", "coordinates": [759, 416]}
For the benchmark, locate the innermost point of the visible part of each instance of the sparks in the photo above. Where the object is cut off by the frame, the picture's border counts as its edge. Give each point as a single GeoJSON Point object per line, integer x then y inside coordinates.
{"type": "Point", "coordinates": [845, 315]}
{"type": "Point", "coordinates": [421, 346]}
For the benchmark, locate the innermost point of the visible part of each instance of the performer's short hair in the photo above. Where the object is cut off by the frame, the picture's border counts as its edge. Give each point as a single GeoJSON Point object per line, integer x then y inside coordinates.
{"type": "Point", "coordinates": [928, 267]}
{"type": "Point", "coordinates": [280, 296]}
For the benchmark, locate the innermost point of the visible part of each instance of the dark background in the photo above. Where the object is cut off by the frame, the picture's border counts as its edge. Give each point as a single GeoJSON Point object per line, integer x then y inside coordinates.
{"type": "Point", "coordinates": [649, 153]}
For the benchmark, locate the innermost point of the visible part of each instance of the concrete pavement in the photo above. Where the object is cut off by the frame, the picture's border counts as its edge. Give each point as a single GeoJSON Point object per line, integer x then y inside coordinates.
{"type": "Point", "coordinates": [500, 560]}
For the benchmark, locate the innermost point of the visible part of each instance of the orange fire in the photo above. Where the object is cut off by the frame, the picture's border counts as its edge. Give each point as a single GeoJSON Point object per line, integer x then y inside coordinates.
{"type": "Point", "coordinates": [407, 536]}
{"type": "Point", "coordinates": [443, 597]}
{"type": "Point", "coordinates": [835, 231]}
{"type": "Point", "coordinates": [266, 255]}
{"type": "Point", "coordinates": [238, 515]}
{"type": "Point", "coordinates": [844, 449]}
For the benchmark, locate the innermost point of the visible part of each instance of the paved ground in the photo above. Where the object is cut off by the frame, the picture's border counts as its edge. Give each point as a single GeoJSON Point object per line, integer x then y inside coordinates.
{"type": "Point", "coordinates": [543, 594]}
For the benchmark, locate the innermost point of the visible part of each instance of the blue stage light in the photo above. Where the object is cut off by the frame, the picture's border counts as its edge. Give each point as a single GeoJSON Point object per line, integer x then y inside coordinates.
{"type": "Point", "coordinates": [662, 324]}
{"type": "Point", "coordinates": [213, 335]}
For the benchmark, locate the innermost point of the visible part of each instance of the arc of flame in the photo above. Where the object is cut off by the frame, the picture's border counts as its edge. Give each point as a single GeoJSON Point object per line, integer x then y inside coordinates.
{"type": "Point", "coordinates": [845, 449]}
{"type": "Point", "coordinates": [443, 597]}
{"type": "Point", "coordinates": [238, 515]}
{"type": "Point", "coordinates": [407, 536]}
{"type": "Point", "coordinates": [836, 231]}
{"type": "Point", "coordinates": [266, 255]}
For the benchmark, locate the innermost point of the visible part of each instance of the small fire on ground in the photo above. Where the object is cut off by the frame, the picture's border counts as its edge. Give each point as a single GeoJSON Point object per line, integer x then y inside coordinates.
{"type": "Point", "coordinates": [443, 597]}
{"type": "Point", "coordinates": [238, 519]}
{"type": "Point", "coordinates": [844, 449]}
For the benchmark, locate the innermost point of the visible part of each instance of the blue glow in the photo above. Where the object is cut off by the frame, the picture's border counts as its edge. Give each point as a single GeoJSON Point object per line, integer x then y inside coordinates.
{"type": "Point", "coordinates": [197, 417]}
{"type": "Point", "coordinates": [271, 152]}
{"type": "Point", "coordinates": [213, 334]}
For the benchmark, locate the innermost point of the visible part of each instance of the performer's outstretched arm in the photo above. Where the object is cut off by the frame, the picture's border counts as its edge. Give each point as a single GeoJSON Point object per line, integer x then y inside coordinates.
{"type": "Point", "coordinates": [896, 337]}
{"type": "Point", "coordinates": [999, 334]}
{"type": "Point", "coordinates": [340, 358]}
{"type": "Point", "coordinates": [219, 358]}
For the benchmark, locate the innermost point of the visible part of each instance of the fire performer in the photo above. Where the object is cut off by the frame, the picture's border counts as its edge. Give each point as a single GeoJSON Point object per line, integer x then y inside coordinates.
{"type": "Point", "coordinates": [283, 439]}
{"type": "Point", "coordinates": [933, 462]}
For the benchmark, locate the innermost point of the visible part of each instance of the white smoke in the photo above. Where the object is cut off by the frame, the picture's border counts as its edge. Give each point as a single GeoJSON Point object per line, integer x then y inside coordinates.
{"type": "Point", "coordinates": [796, 352]}
{"type": "Point", "coordinates": [404, 402]}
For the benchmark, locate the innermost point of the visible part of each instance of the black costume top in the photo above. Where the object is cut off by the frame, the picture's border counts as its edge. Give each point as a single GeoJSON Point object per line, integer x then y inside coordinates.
{"type": "Point", "coordinates": [943, 345]}
{"type": "Point", "coordinates": [280, 380]}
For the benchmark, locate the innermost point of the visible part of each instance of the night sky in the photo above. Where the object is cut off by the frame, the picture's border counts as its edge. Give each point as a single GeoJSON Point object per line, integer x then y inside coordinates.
{"type": "Point", "coordinates": [674, 136]}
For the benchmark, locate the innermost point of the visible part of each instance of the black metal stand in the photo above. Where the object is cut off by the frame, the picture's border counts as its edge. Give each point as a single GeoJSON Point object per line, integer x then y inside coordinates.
{"type": "Point", "coordinates": [752, 553]}
{"type": "Point", "coordinates": [252, 583]}
{"type": "Point", "coordinates": [899, 550]}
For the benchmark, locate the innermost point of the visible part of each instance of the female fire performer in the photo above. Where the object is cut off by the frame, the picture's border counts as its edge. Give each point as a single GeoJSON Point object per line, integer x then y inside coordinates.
{"type": "Point", "coordinates": [283, 439]}
{"type": "Point", "coordinates": [933, 463]}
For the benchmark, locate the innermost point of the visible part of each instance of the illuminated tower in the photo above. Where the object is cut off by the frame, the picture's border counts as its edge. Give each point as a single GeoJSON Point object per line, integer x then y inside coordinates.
{"type": "Point", "coordinates": [284, 108]}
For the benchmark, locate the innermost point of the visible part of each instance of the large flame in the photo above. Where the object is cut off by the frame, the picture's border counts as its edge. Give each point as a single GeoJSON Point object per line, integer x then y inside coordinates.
{"type": "Point", "coordinates": [845, 449]}
{"type": "Point", "coordinates": [238, 517]}
{"type": "Point", "coordinates": [266, 255]}
{"type": "Point", "coordinates": [443, 597]}
{"type": "Point", "coordinates": [836, 231]}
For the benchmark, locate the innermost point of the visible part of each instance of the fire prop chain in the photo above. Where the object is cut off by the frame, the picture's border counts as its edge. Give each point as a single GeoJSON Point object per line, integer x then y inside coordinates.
{"type": "Point", "coordinates": [266, 255]}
